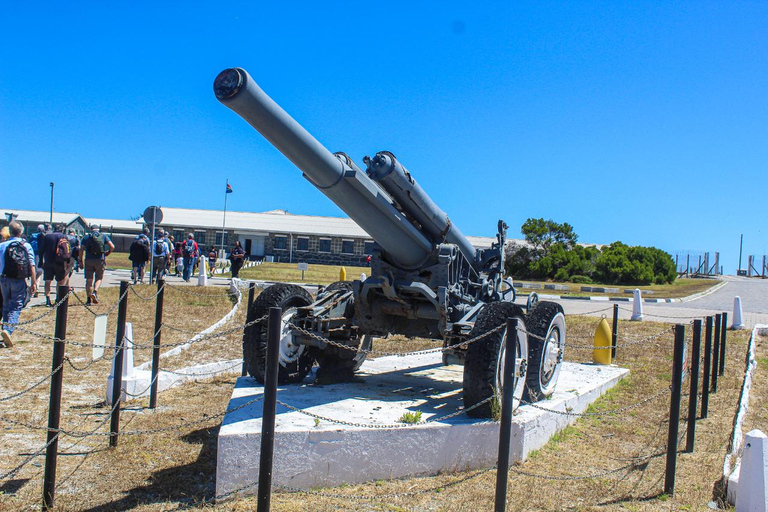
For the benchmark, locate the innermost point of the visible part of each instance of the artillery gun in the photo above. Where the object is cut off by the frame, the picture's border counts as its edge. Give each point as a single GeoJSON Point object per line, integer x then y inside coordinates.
{"type": "Point", "coordinates": [427, 280]}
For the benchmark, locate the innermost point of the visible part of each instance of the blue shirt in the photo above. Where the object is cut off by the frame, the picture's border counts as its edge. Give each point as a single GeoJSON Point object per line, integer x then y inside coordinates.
{"type": "Point", "coordinates": [4, 246]}
{"type": "Point", "coordinates": [161, 249]}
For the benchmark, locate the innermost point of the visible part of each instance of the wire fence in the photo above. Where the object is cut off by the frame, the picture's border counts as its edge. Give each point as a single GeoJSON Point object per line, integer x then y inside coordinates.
{"type": "Point", "coordinates": [625, 341]}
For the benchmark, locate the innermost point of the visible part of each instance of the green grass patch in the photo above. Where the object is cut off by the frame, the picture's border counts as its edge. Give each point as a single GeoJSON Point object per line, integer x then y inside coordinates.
{"type": "Point", "coordinates": [411, 417]}
{"type": "Point", "coordinates": [680, 288]}
{"type": "Point", "coordinates": [289, 273]}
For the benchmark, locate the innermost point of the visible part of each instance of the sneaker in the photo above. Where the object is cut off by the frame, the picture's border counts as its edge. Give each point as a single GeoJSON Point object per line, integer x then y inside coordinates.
{"type": "Point", "coordinates": [94, 298]}
{"type": "Point", "coordinates": [48, 302]}
{"type": "Point", "coordinates": [7, 339]}
{"type": "Point", "coordinates": [88, 301]}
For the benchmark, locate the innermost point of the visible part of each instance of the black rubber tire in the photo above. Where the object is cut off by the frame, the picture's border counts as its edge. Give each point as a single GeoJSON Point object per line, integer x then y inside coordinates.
{"type": "Point", "coordinates": [337, 364]}
{"type": "Point", "coordinates": [481, 362]}
{"type": "Point", "coordinates": [285, 296]}
{"type": "Point", "coordinates": [540, 322]}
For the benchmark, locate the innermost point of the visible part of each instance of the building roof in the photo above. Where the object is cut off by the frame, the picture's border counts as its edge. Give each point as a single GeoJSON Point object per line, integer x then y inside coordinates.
{"type": "Point", "coordinates": [41, 217]}
{"type": "Point", "coordinates": [275, 221]}
{"type": "Point", "coordinates": [117, 224]}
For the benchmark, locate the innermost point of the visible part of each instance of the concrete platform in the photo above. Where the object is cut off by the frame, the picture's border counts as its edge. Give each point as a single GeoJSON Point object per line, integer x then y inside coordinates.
{"type": "Point", "coordinates": [323, 453]}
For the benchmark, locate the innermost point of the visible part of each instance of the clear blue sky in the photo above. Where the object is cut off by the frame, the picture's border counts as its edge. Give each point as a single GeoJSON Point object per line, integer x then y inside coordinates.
{"type": "Point", "coordinates": [645, 122]}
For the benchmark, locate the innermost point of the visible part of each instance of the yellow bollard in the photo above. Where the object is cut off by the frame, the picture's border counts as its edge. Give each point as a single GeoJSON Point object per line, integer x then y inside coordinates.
{"type": "Point", "coordinates": [343, 274]}
{"type": "Point", "coordinates": [602, 339]}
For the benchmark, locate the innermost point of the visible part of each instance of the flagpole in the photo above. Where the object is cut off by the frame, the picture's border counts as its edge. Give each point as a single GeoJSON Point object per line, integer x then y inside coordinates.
{"type": "Point", "coordinates": [224, 224]}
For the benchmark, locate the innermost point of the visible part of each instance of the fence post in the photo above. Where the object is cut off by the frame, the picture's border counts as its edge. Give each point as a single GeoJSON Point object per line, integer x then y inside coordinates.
{"type": "Point", "coordinates": [694, 390]}
{"type": "Point", "coordinates": [615, 331]}
{"type": "Point", "coordinates": [117, 383]}
{"type": "Point", "coordinates": [716, 352]}
{"type": "Point", "coordinates": [54, 402]}
{"type": "Point", "coordinates": [507, 406]}
{"type": "Point", "coordinates": [674, 410]}
{"type": "Point", "coordinates": [707, 366]}
{"type": "Point", "coordinates": [156, 341]}
{"type": "Point", "coordinates": [723, 330]}
{"type": "Point", "coordinates": [268, 415]}
{"type": "Point", "coordinates": [251, 289]}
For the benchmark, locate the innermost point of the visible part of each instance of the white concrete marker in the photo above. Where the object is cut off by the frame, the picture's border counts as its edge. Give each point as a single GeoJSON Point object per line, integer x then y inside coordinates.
{"type": "Point", "coordinates": [127, 365]}
{"type": "Point", "coordinates": [753, 477]}
{"type": "Point", "coordinates": [363, 277]}
{"type": "Point", "coordinates": [202, 276]}
{"type": "Point", "coordinates": [99, 335]}
{"type": "Point", "coordinates": [637, 306]}
{"type": "Point", "coordinates": [738, 323]}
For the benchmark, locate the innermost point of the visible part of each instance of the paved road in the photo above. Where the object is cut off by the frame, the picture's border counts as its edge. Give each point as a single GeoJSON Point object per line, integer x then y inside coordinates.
{"type": "Point", "coordinates": [753, 293]}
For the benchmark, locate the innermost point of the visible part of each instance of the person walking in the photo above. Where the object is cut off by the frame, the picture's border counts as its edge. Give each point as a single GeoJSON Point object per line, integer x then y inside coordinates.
{"type": "Point", "coordinates": [56, 258]}
{"type": "Point", "coordinates": [95, 247]}
{"type": "Point", "coordinates": [179, 258]}
{"type": "Point", "coordinates": [211, 261]}
{"type": "Point", "coordinates": [237, 257]}
{"type": "Point", "coordinates": [34, 242]}
{"type": "Point", "coordinates": [160, 258]}
{"type": "Point", "coordinates": [190, 252]}
{"type": "Point", "coordinates": [17, 264]}
{"type": "Point", "coordinates": [74, 244]}
{"type": "Point", "coordinates": [139, 254]}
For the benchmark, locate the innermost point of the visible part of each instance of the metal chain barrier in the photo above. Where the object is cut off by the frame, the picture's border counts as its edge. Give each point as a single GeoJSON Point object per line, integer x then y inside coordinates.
{"type": "Point", "coordinates": [83, 368]}
{"type": "Point", "coordinates": [151, 297]}
{"type": "Point", "coordinates": [50, 311]}
{"type": "Point", "coordinates": [587, 313]}
{"type": "Point", "coordinates": [624, 342]}
{"type": "Point", "coordinates": [601, 413]}
{"type": "Point", "coordinates": [196, 292]}
{"type": "Point", "coordinates": [684, 317]}
{"type": "Point", "coordinates": [29, 459]}
{"type": "Point", "coordinates": [383, 425]}
{"type": "Point", "coordinates": [463, 344]}
{"type": "Point", "coordinates": [202, 374]}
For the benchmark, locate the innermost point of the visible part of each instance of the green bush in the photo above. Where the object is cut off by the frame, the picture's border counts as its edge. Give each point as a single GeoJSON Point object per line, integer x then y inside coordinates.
{"type": "Point", "coordinates": [580, 279]}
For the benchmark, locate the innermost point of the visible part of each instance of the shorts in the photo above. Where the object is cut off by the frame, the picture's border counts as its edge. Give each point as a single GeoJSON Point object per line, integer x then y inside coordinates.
{"type": "Point", "coordinates": [138, 265]}
{"type": "Point", "coordinates": [58, 271]}
{"type": "Point", "coordinates": [95, 267]}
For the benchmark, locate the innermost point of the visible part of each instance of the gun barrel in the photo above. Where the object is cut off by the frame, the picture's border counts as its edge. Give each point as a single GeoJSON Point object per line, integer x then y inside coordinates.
{"type": "Point", "coordinates": [351, 190]}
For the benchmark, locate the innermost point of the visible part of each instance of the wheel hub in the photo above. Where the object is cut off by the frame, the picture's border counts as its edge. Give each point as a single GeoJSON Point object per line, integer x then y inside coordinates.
{"type": "Point", "coordinates": [552, 354]}
{"type": "Point", "coordinates": [289, 349]}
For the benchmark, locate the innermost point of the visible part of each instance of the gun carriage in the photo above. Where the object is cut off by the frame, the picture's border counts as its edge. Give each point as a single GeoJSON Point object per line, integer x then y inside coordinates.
{"type": "Point", "coordinates": [427, 280]}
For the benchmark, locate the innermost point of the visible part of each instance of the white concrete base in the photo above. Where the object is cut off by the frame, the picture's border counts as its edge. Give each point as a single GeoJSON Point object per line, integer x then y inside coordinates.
{"type": "Point", "coordinates": [310, 454]}
{"type": "Point", "coordinates": [139, 384]}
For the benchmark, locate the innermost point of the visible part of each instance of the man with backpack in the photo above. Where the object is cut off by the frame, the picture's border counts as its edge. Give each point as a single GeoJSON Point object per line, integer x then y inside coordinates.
{"type": "Point", "coordinates": [17, 263]}
{"type": "Point", "coordinates": [160, 257]}
{"type": "Point", "coordinates": [190, 252]}
{"type": "Point", "coordinates": [34, 242]}
{"type": "Point", "coordinates": [74, 243]}
{"type": "Point", "coordinates": [56, 257]}
{"type": "Point", "coordinates": [94, 248]}
{"type": "Point", "coordinates": [139, 254]}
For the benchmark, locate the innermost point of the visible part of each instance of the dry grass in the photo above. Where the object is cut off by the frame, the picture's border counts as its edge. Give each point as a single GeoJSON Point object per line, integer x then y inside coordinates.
{"type": "Point", "coordinates": [289, 273]}
{"type": "Point", "coordinates": [176, 469]}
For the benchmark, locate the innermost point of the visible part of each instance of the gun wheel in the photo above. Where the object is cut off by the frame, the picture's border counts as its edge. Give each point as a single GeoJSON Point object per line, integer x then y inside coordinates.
{"type": "Point", "coordinates": [547, 341]}
{"type": "Point", "coordinates": [296, 360]}
{"type": "Point", "coordinates": [484, 363]}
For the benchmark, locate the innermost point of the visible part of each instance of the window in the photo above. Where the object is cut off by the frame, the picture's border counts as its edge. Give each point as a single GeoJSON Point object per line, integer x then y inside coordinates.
{"type": "Point", "coordinates": [368, 247]}
{"type": "Point", "coordinates": [218, 238]}
{"type": "Point", "coordinates": [178, 235]}
{"type": "Point", "coordinates": [348, 247]}
{"type": "Point", "coordinates": [200, 238]}
{"type": "Point", "coordinates": [302, 244]}
{"type": "Point", "coordinates": [281, 242]}
{"type": "Point", "coordinates": [324, 245]}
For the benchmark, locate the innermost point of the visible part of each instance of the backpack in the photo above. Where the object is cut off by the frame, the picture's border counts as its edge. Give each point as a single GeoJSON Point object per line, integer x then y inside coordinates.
{"type": "Point", "coordinates": [63, 250]}
{"type": "Point", "coordinates": [16, 264]}
{"type": "Point", "coordinates": [96, 245]}
{"type": "Point", "coordinates": [189, 248]}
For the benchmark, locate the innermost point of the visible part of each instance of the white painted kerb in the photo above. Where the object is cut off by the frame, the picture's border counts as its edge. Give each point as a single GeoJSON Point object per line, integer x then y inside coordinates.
{"type": "Point", "coordinates": [328, 454]}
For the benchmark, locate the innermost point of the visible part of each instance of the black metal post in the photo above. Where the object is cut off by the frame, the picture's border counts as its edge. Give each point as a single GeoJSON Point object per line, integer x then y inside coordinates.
{"type": "Point", "coordinates": [707, 366]}
{"type": "Point", "coordinates": [268, 416]}
{"type": "Point", "coordinates": [716, 352]}
{"type": "Point", "coordinates": [723, 331]}
{"type": "Point", "coordinates": [248, 318]}
{"type": "Point", "coordinates": [615, 331]}
{"type": "Point", "coordinates": [54, 402]}
{"type": "Point", "coordinates": [674, 410]}
{"type": "Point", "coordinates": [117, 381]}
{"type": "Point", "coordinates": [694, 390]}
{"type": "Point", "coordinates": [507, 406]}
{"type": "Point", "coordinates": [156, 341]}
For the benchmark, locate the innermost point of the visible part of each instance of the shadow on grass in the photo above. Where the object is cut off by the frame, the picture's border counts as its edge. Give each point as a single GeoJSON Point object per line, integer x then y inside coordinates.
{"type": "Point", "coordinates": [189, 484]}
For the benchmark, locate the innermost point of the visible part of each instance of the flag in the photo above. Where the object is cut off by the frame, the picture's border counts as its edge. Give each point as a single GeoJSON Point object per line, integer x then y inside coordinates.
{"type": "Point", "coordinates": [229, 188]}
